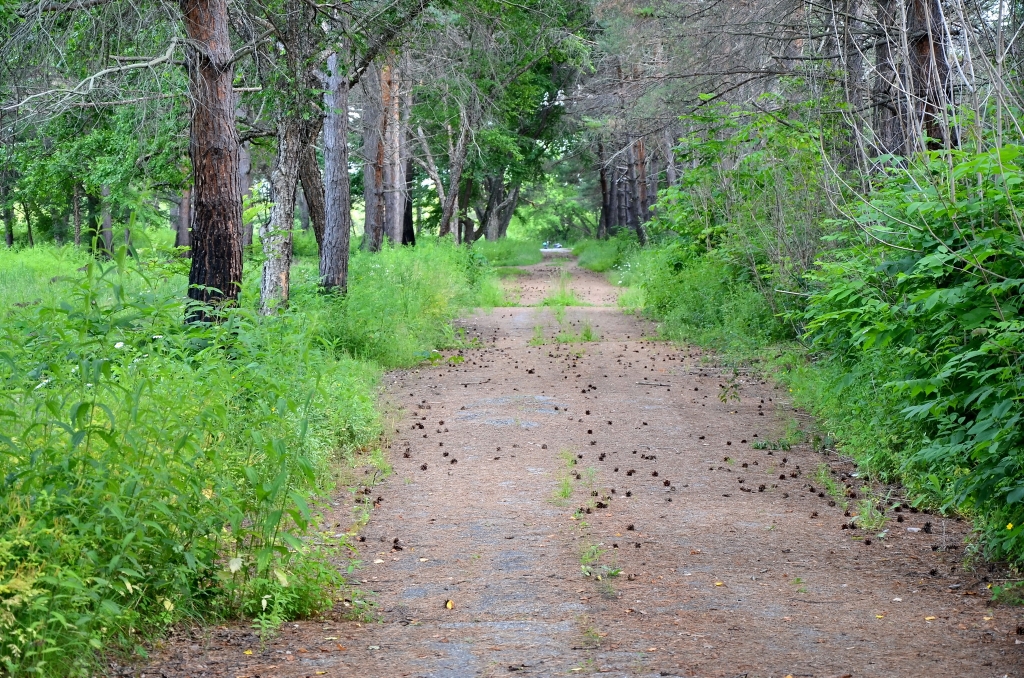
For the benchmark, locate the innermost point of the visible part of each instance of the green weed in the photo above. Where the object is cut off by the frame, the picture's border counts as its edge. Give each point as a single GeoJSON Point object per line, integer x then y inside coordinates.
{"type": "Point", "coordinates": [509, 252]}
{"type": "Point", "coordinates": [158, 471]}
{"type": "Point", "coordinates": [562, 295]}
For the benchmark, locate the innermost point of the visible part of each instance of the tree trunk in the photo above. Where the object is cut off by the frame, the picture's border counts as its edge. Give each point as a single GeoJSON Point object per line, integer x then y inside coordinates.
{"type": "Point", "coordinates": [245, 187]}
{"type": "Point", "coordinates": [613, 200]}
{"type": "Point", "coordinates": [408, 229]}
{"type": "Point", "coordinates": [643, 199]}
{"type": "Point", "coordinates": [301, 207]}
{"type": "Point", "coordinates": [276, 234]}
{"type": "Point", "coordinates": [505, 216]}
{"type": "Point", "coordinates": [334, 251]}
{"type": "Point", "coordinates": [28, 223]}
{"type": "Point", "coordinates": [76, 211]}
{"type": "Point", "coordinates": [394, 168]}
{"type": "Point", "coordinates": [456, 163]}
{"type": "Point", "coordinates": [929, 72]}
{"type": "Point", "coordinates": [312, 181]}
{"type": "Point", "coordinates": [107, 229]}
{"type": "Point", "coordinates": [183, 237]}
{"type": "Point", "coordinates": [7, 211]}
{"type": "Point", "coordinates": [374, 121]}
{"type": "Point", "coordinates": [602, 228]}
{"type": "Point", "coordinates": [670, 158]}
{"type": "Point", "coordinates": [216, 273]}
{"type": "Point", "coordinates": [889, 135]}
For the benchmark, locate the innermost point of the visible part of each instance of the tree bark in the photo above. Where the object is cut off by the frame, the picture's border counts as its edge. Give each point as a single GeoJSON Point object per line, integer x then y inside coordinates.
{"type": "Point", "coordinates": [505, 217]}
{"type": "Point", "coordinates": [276, 234]}
{"type": "Point", "coordinates": [216, 273]}
{"type": "Point", "coordinates": [670, 158]}
{"type": "Point", "coordinates": [889, 134]}
{"type": "Point", "coordinates": [374, 120]}
{"type": "Point", "coordinates": [106, 230]}
{"type": "Point", "coordinates": [183, 237]}
{"type": "Point", "coordinates": [394, 169]}
{"type": "Point", "coordinates": [334, 251]}
{"type": "Point", "coordinates": [602, 228]}
{"type": "Point", "coordinates": [28, 223]}
{"type": "Point", "coordinates": [408, 229]}
{"type": "Point", "coordinates": [312, 181]}
{"type": "Point", "coordinates": [929, 71]}
{"type": "Point", "coordinates": [643, 199]}
{"type": "Point", "coordinates": [245, 187]}
{"type": "Point", "coordinates": [7, 211]}
{"type": "Point", "coordinates": [76, 212]}
{"type": "Point", "coordinates": [456, 163]}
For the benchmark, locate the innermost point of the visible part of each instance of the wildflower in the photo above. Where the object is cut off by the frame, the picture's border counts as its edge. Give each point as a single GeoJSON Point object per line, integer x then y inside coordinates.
{"type": "Point", "coordinates": [119, 344]}
{"type": "Point", "coordinates": [1009, 526]}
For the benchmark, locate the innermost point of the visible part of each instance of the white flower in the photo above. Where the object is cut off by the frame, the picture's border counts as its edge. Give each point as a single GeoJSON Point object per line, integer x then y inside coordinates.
{"type": "Point", "coordinates": [119, 344]}
{"type": "Point", "coordinates": [158, 336]}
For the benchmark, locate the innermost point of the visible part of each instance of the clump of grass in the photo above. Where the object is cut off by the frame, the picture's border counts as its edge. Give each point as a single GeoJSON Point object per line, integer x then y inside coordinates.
{"type": "Point", "coordinates": [824, 476]}
{"type": "Point", "coordinates": [510, 272]}
{"type": "Point", "coordinates": [538, 336]}
{"type": "Point", "coordinates": [600, 255]}
{"type": "Point", "coordinates": [563, 295]}
{"type": "Point", "coordinates": [869, 517]}
{"type": "Point", "coordinates": [509, 252]}
{"type": "Point", "coordinates": [585, 334]}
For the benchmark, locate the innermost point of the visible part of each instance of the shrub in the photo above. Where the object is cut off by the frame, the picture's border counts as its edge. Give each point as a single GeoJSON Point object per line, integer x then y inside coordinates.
{"type": "Point", "coordinates": [509, 252]}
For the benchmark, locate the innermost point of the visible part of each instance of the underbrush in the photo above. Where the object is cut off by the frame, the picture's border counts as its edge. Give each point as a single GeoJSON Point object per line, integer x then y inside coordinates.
{"type": "Point", "coordinates": [156, 471]}
{"type": "Point", "coordinates": [509, 252]}
{"type": "Point", "coordinates": [601, 256]}
{"type": "Point", "coordinates": [899, 325]}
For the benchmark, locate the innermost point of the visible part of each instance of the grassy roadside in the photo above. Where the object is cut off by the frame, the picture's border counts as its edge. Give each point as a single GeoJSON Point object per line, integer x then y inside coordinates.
{"type": "Point", "coordinates": [156, 471]}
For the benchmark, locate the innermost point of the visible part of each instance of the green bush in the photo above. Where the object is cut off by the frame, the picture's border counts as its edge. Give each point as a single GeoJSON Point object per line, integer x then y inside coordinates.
{"type": "Point", "coordinates": [154, 470]}
{"type": "Point", "coordinates": [509, 252]}
{"type": "Point", "coordinates": [601, 255]}
{"type": "Point", "coordinates": [910, 309]}
{"type": "Point", "coordinates": [701, 299]}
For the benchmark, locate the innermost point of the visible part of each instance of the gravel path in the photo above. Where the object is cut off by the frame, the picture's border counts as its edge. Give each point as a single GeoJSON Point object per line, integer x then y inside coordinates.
{"type": "Point", "coordinates": [594, 507]}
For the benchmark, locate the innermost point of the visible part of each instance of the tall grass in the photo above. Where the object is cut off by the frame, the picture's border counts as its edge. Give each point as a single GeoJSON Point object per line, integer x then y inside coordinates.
{"type": "Point", "coordinates": [509, 252]}
{"type": "Point", "coordinates": [602, 255]}
{"type": "Point", "coordinates": [155, 470]}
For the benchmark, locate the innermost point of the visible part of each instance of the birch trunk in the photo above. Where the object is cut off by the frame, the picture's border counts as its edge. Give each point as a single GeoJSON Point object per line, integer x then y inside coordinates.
{"type": "Point", "coordinates": [276, 233]}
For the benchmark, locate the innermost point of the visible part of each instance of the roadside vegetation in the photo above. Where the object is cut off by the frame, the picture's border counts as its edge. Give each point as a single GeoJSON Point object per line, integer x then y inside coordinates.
{"type": "Point", "coordinates": [157, 471]}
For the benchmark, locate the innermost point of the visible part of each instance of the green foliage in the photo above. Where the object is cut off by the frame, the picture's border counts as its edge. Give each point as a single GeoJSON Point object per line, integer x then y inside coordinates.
{"type": "Point", "coordinates": [509, 252]}
{"type": "Point", "coordinates": [400, 300]}
{"type": "Point", "coordinates": [602, 255]}
{"type": "Point", "coordinates": [910, 308]}
{"type": "Point", "coordinates": [945, 309]}
{"type": "Point", "coordinates": [155, 470]}
{"type": "Point", "coordinates": [702, 299]}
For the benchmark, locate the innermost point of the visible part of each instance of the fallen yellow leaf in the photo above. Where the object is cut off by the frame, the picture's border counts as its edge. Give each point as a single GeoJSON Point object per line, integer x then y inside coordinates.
{"type": "Point", "coordinates": [879, 616]}
{"type": "Point", "coordinates": [450, 604]}
{"type": "Point", "coordinates": [929, 618]}
{"type": "Point", "coordinates": [718, 583]}
{"type": "Point", "coordinates": [248, 652]}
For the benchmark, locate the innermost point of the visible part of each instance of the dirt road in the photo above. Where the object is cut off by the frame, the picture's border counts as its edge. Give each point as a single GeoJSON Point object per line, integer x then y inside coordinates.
{"type": "Point", "coordinates": [595, 507]}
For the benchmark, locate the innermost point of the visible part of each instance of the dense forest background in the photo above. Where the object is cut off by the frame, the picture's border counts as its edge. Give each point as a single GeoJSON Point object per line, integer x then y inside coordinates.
{"type": "Point", "coordinates": [223, 221]}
